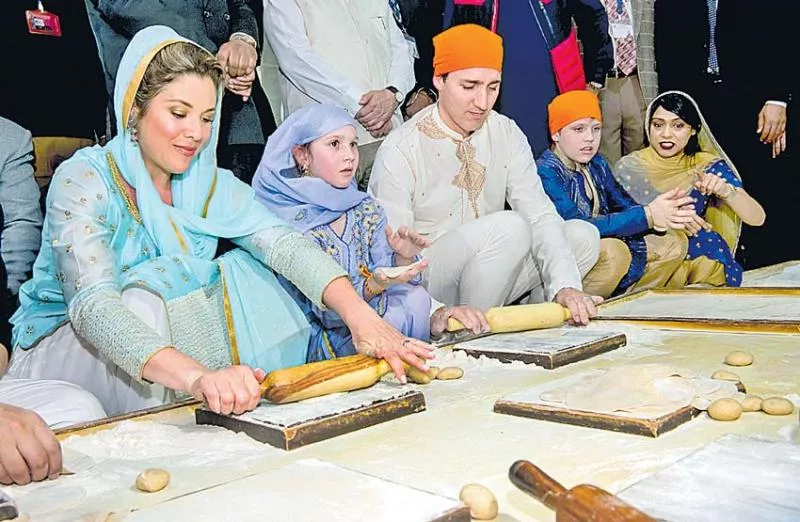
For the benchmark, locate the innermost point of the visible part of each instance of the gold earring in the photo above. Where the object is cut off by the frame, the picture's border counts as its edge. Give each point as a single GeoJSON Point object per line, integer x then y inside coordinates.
{"type": "Point", "coordinates": [304, 170]}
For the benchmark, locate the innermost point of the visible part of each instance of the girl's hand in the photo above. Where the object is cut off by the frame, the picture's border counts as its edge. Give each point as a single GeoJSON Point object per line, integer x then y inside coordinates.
{"type": "Point", "coordinates": [405, 242]}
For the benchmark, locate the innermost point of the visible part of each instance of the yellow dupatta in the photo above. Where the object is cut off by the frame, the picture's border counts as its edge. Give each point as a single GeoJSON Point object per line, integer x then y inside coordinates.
{"type": "Point", "coordinates": [645, 175]}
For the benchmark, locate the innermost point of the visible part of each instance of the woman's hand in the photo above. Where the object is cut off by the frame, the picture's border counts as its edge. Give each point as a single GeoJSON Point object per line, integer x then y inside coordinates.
{"type": "Point", "coordinates": [375, 337]}
{"type": "Point", "coordinates": [406, 243]}
{"type": "Point", "coordinates": [382, 276]}
{"type": "Point", "coordinates": [234, 389]}
{"type": "Point", "coordinates": [472, 318]}
{"type": "Point", "coordinates": [713, 185]}
{"type": "Point", "coordinates": [372, 335]}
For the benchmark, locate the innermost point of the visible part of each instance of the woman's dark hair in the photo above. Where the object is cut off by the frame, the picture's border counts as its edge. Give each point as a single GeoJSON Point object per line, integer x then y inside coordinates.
{"type": "Point", "coordinates": [684, 108]}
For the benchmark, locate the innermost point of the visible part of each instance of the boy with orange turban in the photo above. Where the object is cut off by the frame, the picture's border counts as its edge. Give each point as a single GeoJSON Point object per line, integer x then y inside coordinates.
{"type": "Point", "coordinates": [582, 186]}
{"type": "Point", "coordinates": [448, 173]}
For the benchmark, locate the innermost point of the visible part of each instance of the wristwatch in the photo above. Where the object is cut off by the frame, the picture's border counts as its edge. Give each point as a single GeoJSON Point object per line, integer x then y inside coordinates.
{"type": "Point", "coordinates": [398, 96]}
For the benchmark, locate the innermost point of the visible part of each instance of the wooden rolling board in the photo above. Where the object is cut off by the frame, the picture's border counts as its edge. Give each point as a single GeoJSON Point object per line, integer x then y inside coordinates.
{"type": "Point", "coordinates": [783, 275]}
{"type": "Point", "coordinates": [293, 425]}
{"type": "Point", "coordinates": [308, 490]}
{"type": "Point", "coordinates": [767, 310]}
{"type": "Point", "coordinates": [549, 348]}
{"type": "Point", "coordinates": [529, 404]}
{"type": "Point", "coordinates": [734, 478]}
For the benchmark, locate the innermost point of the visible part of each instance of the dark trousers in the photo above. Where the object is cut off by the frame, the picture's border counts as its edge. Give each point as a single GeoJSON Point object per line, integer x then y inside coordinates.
{"type": "Point", "coordinates": [241, 159]}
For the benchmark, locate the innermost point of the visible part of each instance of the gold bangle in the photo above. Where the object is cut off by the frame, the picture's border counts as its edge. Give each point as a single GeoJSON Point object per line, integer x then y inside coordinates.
{"type": "Point", "coordinates": [732, 192]}
{"type": "Point", "coordinates": [372, 286]}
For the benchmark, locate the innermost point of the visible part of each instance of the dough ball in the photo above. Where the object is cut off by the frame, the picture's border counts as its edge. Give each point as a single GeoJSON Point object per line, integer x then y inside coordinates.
{"type": "Point", "coordinates": [416, 376]}
{"type": "Point", "coordinates": [433, 371]}
{"type": "Point", "coordinates": [751, 403]}
{"type": "Point", "coordinates": [725, 410]}
{"type": "Point", "coordinates": [446, 374]}
{"type": "Point", "coordinates": [152, 480]}
{"type": "Point", "coordinates": [481, 501]}
{"type": "Point", "coordinates": [725, 376]}
{"type": "Point", "coordinates": [777, 406]}
{"type": "Point", "coordinates": [739, 358]}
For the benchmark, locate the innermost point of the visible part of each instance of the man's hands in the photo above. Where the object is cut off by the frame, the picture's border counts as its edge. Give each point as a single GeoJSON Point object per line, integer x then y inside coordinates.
{"type": "Point", "coordinates": [238, 58]}
{"type": "Point", "coordinates": [377, 108]}
{"type": "Point", "coordinates": [772, 127]}
{"type": "Point", "coordinates": [29, 450]}
{"type": "Point", "coordinates": [581, 305]}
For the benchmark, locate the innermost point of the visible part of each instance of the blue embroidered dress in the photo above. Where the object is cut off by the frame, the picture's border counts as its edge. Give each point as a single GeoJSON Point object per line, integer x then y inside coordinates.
{"type": "Point", "coordinates": [611, 209]}
{"type": "Point", "coordinates": [360, 249]}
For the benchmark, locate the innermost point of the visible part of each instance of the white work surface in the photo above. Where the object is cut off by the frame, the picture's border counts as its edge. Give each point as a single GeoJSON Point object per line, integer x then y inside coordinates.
{"type": "Point", "coordinates": [786, 275]}
{"type": "Point", "coordinates": [458, 439]}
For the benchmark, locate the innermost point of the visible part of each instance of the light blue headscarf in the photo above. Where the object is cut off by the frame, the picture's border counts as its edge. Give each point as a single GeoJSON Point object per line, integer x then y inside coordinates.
{"type": "Point", "coordinates": [305, 202]}
{"type": "Point", "coordinates": [188, 226]}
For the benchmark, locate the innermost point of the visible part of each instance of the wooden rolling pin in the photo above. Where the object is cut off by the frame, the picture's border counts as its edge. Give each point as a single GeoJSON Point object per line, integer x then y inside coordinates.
{"type": "Point", "coordinates": [520, 318]}
{"type": "Point", "coordinates": [322, 378]}
{"type": "Point", "coordinates": [583, 503]}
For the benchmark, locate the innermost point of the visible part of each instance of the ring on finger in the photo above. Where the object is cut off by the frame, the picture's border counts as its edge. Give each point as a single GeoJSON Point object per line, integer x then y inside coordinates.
{"type": "Point", "coordinates": [405, 342]}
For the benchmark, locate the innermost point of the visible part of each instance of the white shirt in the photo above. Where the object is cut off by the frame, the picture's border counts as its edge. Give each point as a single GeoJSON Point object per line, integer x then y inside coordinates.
{"type": "Point", "coordinates": [416, 166]}
{"type": "Point", "coordinates": [334, 51]}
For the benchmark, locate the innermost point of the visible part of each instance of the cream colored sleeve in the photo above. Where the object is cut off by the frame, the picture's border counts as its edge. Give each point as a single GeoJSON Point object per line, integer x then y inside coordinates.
{"type": "Point", "coordinates": [392, 183]}
{"type": "Point", "coordinates": [551, 249]}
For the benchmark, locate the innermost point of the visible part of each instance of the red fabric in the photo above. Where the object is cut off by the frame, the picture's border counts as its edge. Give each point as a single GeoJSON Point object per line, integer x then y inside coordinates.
{"type": "Point", "coordinates": [568, 65]}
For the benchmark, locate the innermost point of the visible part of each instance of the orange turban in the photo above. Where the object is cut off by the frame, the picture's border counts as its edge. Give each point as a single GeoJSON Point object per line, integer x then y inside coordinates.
{"type": "Point", "coordinates": [466, 46]}
{"type": "Point", "coordinates": [570, 106]}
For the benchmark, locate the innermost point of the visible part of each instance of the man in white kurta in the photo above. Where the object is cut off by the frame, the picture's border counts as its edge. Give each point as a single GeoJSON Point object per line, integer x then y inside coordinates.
{"type": "Point", "coordinates": [349, 53]}
{"type": "Point", "coordinates": [448, 173]}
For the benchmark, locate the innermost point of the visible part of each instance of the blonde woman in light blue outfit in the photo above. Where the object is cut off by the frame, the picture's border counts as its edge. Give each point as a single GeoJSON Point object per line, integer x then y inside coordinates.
{"type": "Point", "coordinates": [127, 299]}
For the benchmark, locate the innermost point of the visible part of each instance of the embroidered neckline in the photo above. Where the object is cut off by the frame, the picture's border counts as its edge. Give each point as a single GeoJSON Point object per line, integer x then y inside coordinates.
{"type": "Point", "coordinates": [471, 176]}
{"type": "Point", "coordinates": [122, 187]}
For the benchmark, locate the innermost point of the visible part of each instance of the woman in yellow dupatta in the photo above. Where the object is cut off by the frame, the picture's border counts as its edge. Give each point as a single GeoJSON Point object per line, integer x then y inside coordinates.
{"type": "Point", "coordinates": [684, 154]}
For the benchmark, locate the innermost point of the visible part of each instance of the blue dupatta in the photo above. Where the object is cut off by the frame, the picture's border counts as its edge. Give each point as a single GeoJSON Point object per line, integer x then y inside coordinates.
{"type": "Point", "coordinates": [304, 202]}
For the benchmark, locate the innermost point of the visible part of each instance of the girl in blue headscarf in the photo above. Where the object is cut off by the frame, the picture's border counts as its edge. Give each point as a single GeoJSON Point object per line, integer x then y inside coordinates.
{"type": "Point", "coordinates": [127, 299]}
{"type": "Point", "coordinates": [306, 178]}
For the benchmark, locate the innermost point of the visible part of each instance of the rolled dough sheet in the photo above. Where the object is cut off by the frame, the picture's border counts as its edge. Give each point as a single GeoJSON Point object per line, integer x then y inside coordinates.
{"type": "Point", "coordinates": [306, 490]}
{"type": "Point", "coordinates": [735, 478]}
{"type": "Point", "coordinates": [546, 341]}
{"type": "Point", "coordinates": [396, 271]}
{"type": "Point", "coordinates": [646, 391]}
{"type": "Point", "coordinates": [706, 305]}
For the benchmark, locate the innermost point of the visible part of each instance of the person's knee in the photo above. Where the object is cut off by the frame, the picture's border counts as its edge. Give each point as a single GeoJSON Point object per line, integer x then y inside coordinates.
{"type": "Point", "coordinates": [676, 248]}
{"type": "Point", "coordinates": [70, 405]}
{"type": "Point", "coordinates": [584, 239]}
{"type": "Point", "coordinates": [616, 253]}
{"type": "Point", "coordinates": [512, 231]}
